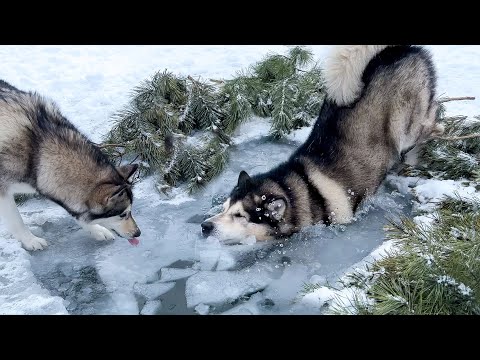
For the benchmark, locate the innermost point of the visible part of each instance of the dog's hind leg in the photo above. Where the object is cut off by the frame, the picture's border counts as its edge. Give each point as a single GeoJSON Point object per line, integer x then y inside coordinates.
{"type": "Point", "coordinates": [411, 156]}
{"type": "Point", "coordinates": [15, 225]}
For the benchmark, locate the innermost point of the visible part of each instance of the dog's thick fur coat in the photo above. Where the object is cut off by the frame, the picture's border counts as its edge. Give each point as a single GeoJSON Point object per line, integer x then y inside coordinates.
{"type": "Point", "coordinates": [41, 151]}
{"type": "Point", "coordinates": [379, 109]}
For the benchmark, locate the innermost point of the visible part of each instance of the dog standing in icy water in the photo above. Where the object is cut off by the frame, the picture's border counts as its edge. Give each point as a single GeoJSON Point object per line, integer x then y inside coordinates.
{"type": "Point", "coordinates": [379, 109]}
{"type": "Point", "coordinates": [41, 151]}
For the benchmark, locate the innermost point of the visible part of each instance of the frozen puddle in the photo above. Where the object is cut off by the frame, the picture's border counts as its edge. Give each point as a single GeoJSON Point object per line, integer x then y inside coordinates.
{"type": "Point", "coordinates": [176, 271]}
{"type": "Point", "coordinates": [273, 274]}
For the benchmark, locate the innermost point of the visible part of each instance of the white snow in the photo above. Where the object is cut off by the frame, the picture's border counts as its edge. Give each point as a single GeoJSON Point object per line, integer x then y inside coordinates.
{"type": "Point", "coordinates": [317, 298]}
{"type": "Point", "coordinates": [253, 129]}
{"type": "Point", "coordinates": [383, 250]}
{"type": "Point", "coordinates": [462, 288]}
{"type": "Point", "coordinates": [403, 183]}
{"type": "Point", "coordinates": [90, 83]}
{"type": "Point", "coordinates": [434, 191]}
{"type": "Point", "coordinates": [317, 279]}
{"type": "Point", "coordinates": [424, 220]}
{"type": "Point", "coordinates": [458, 75]}
{"type": "Point", "coordinates": [20, 293]}
{"type": "Point", "coordinates": [430, 192]}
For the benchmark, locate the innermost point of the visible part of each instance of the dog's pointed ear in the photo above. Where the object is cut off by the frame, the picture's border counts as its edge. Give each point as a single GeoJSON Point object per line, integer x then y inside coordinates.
{"type": "Point", "coordinates": [276, 208]}
{"type": "Point", "coordinates": [244, 180]}
{"type": "Point", "coordinates": [127, 171]}
{"type": "Point", "coordinates": [117, 191]}
{"type": "Point", "coordinates": [105, 193]}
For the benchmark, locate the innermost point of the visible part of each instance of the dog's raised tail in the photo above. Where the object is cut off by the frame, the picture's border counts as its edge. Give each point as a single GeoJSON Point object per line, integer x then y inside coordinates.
{"type": "Point", "coordinates": [344, 69]}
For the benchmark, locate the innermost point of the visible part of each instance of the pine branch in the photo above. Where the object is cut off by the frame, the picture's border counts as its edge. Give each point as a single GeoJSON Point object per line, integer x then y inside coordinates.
{"type": "Point", "coordinates": [300, 56]}
{"type": "Point", "coordinates": [167, 106]}
{"type": "Point", "coordinates": [454, 155]}
{"type": "Point", "coordinates": [434, 270]}
{"type": "Point", "coordinates": [202, 110]}
{"type": "Point", "coordinates": [237, 97]}
{"type": "Point", "coordinates": [283, 96]}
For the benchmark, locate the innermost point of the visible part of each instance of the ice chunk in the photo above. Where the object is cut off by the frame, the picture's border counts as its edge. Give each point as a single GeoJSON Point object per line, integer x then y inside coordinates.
{"type": "Point", "coordinates": [202, 309]}
{"type": "Point", "coordinates": [250, 307]}
{"type": "Point", "coordinates": [284, 290]}
{"type": "Point", "coordinates": [172, 274]}
{"type": "Point", "coordinates": [226, 261]}
{"type": "Point", "coordinates": [223, 286]}
{"type": "Point", "coordinates": [242, 310]}
{"type": "Point", "coordinates": [249, 240]}
{"type": "Point", "coordinates": [151, 307]}
{"type": "Point", "coordinates": [209, 259]}
{"type": "Point", "coordinates": [152, 291]}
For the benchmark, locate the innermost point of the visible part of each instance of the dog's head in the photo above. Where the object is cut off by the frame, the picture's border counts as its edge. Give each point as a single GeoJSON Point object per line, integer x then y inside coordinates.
{"type": "Point", "coordinates": [255, 207]}
{"type": "Point", "coordinates": [110, 203]}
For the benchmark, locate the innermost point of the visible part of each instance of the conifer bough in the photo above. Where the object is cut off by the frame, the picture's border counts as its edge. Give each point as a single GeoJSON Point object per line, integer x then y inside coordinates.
{"type": "Point", "coordinates": [180, 127]}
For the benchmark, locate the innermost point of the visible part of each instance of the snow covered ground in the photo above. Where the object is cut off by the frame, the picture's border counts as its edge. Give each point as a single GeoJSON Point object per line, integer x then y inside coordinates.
{"type": "Point", "coordinates": [174, 270]}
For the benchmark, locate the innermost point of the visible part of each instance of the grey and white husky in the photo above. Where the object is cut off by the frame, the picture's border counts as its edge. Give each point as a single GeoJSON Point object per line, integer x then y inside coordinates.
{"type": "Point", "coordinates": [41, 151]}
{"type": "Point", "coordinates": [379, 110]}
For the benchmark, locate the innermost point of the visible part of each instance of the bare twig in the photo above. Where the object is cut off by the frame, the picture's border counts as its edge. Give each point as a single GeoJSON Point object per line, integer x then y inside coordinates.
{"type": "Point", "coordinates": [440, 101]}
{"type": "Point", "coordinates": [193, 80]}
{"type": "Point", "coordinates": [136, 157]}
{"type": "Point", "coordinates": [454, 138]}
{"type": "Point", "coordinates": [219, 82]}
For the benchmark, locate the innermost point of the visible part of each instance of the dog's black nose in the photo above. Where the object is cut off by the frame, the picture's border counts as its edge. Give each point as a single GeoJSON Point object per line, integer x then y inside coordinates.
{"type": "Point", "coordinates": [207, 228]}
{"type": "Point", "coordinates": [137, 233]}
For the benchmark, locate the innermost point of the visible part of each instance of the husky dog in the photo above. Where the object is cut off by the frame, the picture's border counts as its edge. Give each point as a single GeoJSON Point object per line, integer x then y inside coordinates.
{"type": "Point", "coordinates": [379, 109]}
{"type": "Point", "coordinates": [41, 151]}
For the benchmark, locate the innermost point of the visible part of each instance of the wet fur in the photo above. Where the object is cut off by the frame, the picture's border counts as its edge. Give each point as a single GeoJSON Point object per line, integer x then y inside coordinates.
{"type": "Point", "coordinates": [360, 134]}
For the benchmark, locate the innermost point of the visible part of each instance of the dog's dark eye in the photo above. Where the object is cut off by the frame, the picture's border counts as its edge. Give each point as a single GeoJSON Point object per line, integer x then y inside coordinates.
{"type": "Point", "coordinates": [238, 215]}
{"type": "Point", "coordinates": [124, 215]}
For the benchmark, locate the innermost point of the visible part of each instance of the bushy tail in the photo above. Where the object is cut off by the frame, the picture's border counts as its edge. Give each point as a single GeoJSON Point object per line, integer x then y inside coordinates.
{"type": "Point", "coordinates": [344, 69]}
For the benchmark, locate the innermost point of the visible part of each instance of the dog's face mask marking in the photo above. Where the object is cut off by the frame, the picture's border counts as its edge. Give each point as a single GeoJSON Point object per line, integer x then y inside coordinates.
{"type": "Point", "coordinates": [111, 204]}
{"type": "Point", "coordinates": [247, 212]}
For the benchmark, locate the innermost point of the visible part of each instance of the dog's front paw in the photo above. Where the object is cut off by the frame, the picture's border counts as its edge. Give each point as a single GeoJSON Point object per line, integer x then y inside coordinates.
{"type": "Point", "coordinates": [100, 233]}
{"type": "Point", "coordinates": [31, 242]}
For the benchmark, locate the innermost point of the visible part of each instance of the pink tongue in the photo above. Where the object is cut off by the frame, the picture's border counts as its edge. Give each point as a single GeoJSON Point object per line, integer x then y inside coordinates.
{"type": "Point", "coordinates": [134, 241]}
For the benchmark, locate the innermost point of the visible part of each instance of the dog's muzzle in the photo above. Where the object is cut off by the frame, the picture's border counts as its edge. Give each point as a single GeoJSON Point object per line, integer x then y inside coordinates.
{"type": "Point", "coordinates": [137, 233]}
{"type": "Point", "coordinates": [207, 228]}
